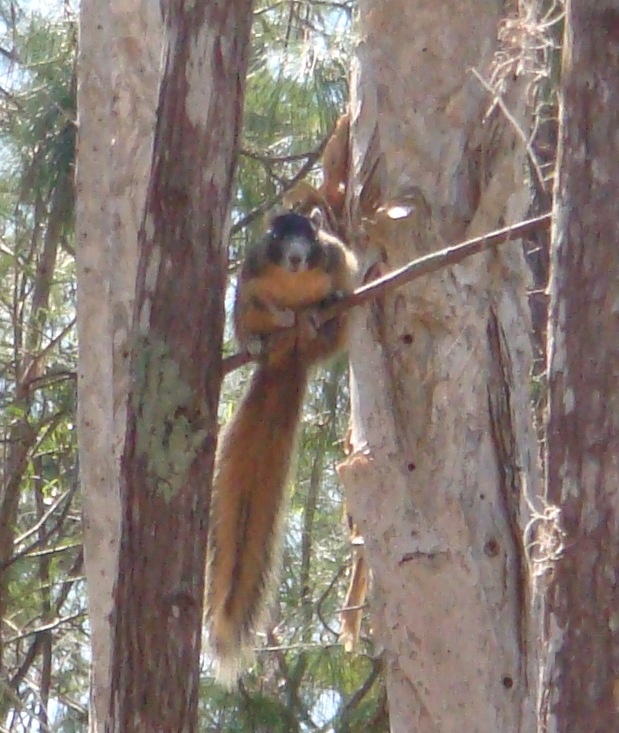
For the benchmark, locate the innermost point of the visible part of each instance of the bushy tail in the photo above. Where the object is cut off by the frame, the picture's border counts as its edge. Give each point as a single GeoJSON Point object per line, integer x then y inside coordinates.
{"type": "Point", "coordinates": [252, 466]}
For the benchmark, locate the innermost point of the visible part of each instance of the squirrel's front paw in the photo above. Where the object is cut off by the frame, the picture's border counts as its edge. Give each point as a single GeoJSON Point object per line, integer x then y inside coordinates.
{"type": "Point", "coordinates": [282, 317]}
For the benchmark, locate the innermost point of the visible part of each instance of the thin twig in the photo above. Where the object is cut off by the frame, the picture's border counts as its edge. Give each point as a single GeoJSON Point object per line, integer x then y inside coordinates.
{"type": "Point", "coordinates": [439, 260]}
{"type": "Point", "coordinates": [498, 100]}
{"type": "Point", "coordinates": [312, 156]}
{"type": "Point", "coordinates": [417, 268]}
{"type": "Point", "coordinates": [46, 627]}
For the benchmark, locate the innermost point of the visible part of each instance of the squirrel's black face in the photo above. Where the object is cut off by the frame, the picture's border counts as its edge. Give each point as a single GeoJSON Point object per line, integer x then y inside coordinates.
{"type": "Point", "coordinates": [292, 243]}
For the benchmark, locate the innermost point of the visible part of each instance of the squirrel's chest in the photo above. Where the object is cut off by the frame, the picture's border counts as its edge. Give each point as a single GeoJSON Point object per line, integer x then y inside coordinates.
{"type": "Point", "coordinates": [293, 289]}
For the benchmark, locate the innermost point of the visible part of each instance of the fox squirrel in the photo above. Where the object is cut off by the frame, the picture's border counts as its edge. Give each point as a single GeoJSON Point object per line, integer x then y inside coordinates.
{"type": "Point", "coordinates": [285, 279]}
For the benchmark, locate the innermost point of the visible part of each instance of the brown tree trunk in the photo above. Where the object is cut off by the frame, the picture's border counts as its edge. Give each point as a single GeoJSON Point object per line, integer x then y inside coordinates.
{"type": "Point", "coordinates": [176, 369]}
{"type": "Point", "coordinates": [582, 600]}
{"type": "Point", "coordinates": [444, 457]}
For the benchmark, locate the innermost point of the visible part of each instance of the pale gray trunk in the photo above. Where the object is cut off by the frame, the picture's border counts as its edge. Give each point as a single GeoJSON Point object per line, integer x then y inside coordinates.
{"type": "Point", "coordinates": [120, 49]}
{"type": "Point", "coordinates": [444, 455]}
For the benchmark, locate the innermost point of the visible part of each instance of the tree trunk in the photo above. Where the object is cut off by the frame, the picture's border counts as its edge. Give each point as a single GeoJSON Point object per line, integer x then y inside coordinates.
{"type": "Point", "coordinates": [120, 51]}
{"type": "Point", "coordinates": [176, 369]}
{"type": "Point", "coordinates": [444, 456]}
{"type": "Point", "coordinates": [580, 624]}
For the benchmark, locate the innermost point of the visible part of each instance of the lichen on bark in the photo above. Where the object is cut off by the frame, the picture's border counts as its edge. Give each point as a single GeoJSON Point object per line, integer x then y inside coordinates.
{"type": "Point", "coordinates": [168, 436]}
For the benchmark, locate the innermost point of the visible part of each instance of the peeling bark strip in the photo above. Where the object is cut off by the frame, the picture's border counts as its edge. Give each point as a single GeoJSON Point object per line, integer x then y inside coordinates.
{"type": "Point", "coordinates": [172, 412]}
{"type": "Point", "coordinates": [511, 489]}
{"type": "Point", "coordinates": [582, 602]}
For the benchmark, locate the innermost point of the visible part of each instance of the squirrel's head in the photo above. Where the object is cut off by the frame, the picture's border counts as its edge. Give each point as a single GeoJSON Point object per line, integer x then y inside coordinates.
{"type": "Point", "coordinates": [292, 243]}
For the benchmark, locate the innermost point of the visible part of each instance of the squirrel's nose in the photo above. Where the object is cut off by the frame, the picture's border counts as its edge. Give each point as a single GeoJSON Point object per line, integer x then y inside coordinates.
{"type": "Point", "coordinates": [294, 260]}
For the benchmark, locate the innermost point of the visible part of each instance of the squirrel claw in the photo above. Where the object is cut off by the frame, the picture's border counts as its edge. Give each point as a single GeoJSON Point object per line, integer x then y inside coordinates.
{"type": "Point", "coordinates": [309, 324]}
{"type": "Point", "coordinates": [254, 346]}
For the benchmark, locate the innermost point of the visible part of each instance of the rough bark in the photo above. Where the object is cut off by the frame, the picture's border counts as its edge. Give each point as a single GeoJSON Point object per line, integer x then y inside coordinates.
{"type": "Point", "coordinates": [582, 667]}
{"type": "Point", "coordinates": [176, 369]}
{"type": "Point", "coordinates": [120, 51]}
{"type": "Point", "coordinates": [444, 453]}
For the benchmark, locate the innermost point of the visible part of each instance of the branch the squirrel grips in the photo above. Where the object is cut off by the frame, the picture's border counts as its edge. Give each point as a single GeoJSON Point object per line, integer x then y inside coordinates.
{"type": "Point", "coordinates": [418, 268]}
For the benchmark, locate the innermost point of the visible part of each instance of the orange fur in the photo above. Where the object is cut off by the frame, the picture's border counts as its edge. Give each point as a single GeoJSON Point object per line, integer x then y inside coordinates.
{"type": "Point", "coordinates": [278, 289]}
{"type": "Point", "coordinates": [248, 497]}
{"type": "Point", "coordinates": [335, 163]}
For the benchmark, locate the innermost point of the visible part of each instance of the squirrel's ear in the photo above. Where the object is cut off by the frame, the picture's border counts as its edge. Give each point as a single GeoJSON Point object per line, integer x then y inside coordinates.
{"type": "Point", "coordinates": [316, 218]}
{"type": "Point", "coordinates": [271, 214]}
